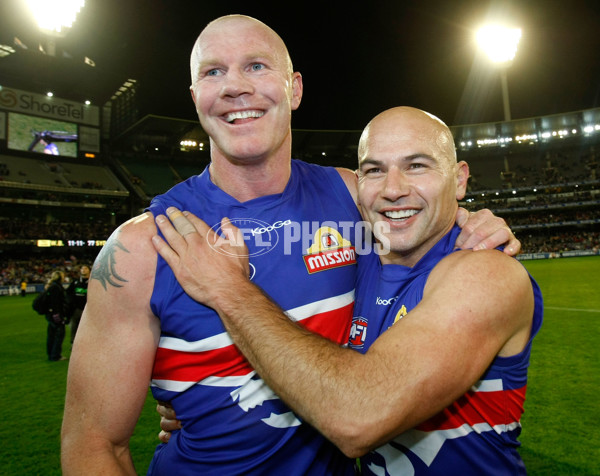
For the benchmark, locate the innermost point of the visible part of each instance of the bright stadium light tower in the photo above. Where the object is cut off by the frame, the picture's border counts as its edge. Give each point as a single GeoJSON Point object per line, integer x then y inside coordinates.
{"type": "Point", "coordinates": [500, 44]}
{"type": "Point", "coordinates": [55, 17]}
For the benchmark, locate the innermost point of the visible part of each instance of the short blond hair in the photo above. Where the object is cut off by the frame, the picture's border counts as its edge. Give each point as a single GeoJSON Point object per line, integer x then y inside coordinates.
{"type": "Point", "coordinates": [57, 276]}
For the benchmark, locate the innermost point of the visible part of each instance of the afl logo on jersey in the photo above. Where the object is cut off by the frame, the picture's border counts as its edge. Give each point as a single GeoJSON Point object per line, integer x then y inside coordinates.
{"type": "Point", "coordinates": [260, 237]}
{"type": "Point", "coordinates": [358, 332]}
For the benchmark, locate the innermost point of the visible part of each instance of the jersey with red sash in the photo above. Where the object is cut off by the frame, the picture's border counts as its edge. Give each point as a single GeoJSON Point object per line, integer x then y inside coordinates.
{"type": "Point", "coordinates": [301, 247]}
{"type": "Point", "coordinates": [475, 435]}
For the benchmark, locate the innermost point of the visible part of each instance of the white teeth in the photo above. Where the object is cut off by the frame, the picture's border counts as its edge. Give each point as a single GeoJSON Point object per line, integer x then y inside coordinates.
{"type": "Point", "coordinates": [232, 116]}
{"type": "Point", "coordinates": [398, 214]}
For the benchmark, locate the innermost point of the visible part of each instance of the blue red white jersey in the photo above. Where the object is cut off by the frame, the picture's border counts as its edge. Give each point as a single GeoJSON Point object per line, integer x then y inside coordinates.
{"type": "Point", "coordinates": [302, 253]}
{"type": "Point", "coordinates": [478, 433]}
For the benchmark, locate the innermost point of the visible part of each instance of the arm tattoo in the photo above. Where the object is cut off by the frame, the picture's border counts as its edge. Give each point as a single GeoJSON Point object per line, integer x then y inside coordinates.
{"type": "Point", "coordinates": [104, 267]}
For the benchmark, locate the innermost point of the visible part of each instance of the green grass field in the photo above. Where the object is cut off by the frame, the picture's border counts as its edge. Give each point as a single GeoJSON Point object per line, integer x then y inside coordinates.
{"type": "Point", "coordinates": [560, 426]}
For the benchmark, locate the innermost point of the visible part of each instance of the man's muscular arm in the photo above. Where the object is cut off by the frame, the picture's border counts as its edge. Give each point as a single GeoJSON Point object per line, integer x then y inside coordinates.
{"type": "Point", "coordinates": [480, 230]}
{"type": "Point", "coordinates": [404, 378]}
{"type": "Point", "coordinates": [112, 358]}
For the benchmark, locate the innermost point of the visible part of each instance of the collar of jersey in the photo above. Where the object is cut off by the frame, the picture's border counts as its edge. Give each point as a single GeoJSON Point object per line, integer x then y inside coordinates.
{"type": "Point", "coordinates": [265, 202]}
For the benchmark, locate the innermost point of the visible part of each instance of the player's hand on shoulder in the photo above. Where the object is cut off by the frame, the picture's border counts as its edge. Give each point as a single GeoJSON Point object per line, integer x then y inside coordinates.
{"type": "Point", "coordinates": [483, 230]}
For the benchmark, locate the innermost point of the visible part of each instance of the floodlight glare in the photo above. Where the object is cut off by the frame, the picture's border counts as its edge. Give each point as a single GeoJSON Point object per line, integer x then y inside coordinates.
{"type": "Point", "coordinates": [55, 15]}
{"type": "Point", "coordinates": [499, 42]}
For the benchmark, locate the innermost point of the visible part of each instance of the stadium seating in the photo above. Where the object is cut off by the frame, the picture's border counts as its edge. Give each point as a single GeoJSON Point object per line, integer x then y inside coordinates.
{"type": "Point", "coordinates": [548, 191]}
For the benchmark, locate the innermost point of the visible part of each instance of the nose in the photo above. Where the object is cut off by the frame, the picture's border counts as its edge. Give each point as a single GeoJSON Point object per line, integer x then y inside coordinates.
{"type": "Point", "coordinates": [236, 83]}
{"type": "Point", "coordinates": [396, 184]}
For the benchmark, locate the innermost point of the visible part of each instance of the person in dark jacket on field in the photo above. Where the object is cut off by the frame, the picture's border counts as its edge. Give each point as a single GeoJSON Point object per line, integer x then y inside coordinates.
{"type": "Point", "coordinates": [77, 298]}
{"type": "Point", "coordinates": [56, 316]}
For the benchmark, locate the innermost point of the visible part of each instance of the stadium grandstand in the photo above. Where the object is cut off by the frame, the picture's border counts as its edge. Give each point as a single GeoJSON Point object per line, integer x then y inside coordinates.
{"type": "Point", "coordinates": [70, 172]}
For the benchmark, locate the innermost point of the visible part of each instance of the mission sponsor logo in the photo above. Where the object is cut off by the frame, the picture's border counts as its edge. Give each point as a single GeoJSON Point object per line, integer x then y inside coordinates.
{"type": "Point", "coordinates": [329, 250]}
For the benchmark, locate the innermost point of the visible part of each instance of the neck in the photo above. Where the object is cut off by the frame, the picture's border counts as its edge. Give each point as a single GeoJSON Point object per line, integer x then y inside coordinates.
{"type": "Point", "coordinates": [411, 256]}
{"type": "Point", "coordinates": [248, 180]}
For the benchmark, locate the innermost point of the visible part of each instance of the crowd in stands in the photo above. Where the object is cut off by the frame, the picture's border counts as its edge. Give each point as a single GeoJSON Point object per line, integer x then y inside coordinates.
{"type": "Point", "coordinates": [553, 217]}
{"type": "Point", "coordinates": [37, 270]}
{"type": "Point", "coordinates": [34, 230]}
{"type": "Point", "coordinates": [533, 168]}
{"type": "Point", "coordinates": [558, 189]}
{"type": "Point", "coordinates": [61, 172]}
{"type": "Point", "coordinates": [560, 241]}
{"type": "Point", "coordinates": [110, 203]}
{"type": "Point", "coordinates": [537, 197]}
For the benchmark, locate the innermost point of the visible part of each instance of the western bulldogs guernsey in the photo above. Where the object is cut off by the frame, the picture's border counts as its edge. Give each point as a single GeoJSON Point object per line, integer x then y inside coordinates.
{"type": "Point", "coordinates": [302, 253]}
{"type": "Point", "coordinates": [478, 433]}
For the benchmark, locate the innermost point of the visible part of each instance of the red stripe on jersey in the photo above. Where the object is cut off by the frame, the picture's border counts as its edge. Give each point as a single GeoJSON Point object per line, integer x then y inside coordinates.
{"type": "Point", "coordinates": [195, 366]}
{"type": "Point", "coordinates": [227, 361]}
{"type": "Point", "coordinates": [495, 408]}
{"type": "Point", "coordinates": [334, 325]}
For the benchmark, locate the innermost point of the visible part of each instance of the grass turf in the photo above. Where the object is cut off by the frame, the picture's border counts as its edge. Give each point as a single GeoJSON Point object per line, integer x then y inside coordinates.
{"type": "Point", "coordinates": [562, 415]}
{"type": "Point", "coordinates": [561, 411]}
{"type": "Point", "coordinates": [32, 390]}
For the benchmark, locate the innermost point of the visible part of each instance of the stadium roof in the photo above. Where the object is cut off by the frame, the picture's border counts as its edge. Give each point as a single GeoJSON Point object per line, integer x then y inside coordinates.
{"type": "Point", "coordinates": [156, 131]}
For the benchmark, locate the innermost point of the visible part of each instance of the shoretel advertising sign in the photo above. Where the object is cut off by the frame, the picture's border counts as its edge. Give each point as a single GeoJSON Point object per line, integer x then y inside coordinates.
{"type": "Point", "coordinates": [53, 107]}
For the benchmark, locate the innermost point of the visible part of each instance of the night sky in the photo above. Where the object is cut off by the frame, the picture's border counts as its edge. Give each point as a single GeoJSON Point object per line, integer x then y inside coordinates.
{"type": "Point", "coordinates": [356, 60]}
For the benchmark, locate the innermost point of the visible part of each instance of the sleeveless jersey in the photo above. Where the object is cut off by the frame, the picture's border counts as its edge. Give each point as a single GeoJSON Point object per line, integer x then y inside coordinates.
{"type": "Point", "coordinates": [302, 253]}
{"type": "Point", "coordinates": [478, 433]}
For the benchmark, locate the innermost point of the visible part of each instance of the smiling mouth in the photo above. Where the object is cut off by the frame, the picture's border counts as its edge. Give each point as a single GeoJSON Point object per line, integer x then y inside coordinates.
{"type": "Point", "coordinates": [232, 117]}
{"type": "Point", "coordinates": [400, 214]}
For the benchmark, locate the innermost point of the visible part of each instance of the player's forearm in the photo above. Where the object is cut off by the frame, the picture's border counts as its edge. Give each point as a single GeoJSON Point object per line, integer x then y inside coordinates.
{"type": "Point", "coordinates": [83, 455]}
{"type": "Point", "coordinates": [86, 447]}
{"type": "Point", "coordinates": [311, 374]}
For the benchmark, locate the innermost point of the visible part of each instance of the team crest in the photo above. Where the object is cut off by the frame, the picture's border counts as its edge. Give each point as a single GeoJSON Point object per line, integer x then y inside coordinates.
{"type": "Point", "coordinates": [358, 332]}
{"type": "Point", "coordinates": [401, 313]}
{"type": "Point", "coordinates": [329, 250]}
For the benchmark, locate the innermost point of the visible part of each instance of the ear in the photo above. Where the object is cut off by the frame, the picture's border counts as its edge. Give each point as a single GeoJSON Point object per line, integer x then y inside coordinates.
{"type": "Point", "coordinates": [193, 94]}
{"type": "Point", "coordinates": [297, 89]}
{"type": "Point", "coordinates": [358, 202]}
{"type": "Point", "coordinates": [462, 177]}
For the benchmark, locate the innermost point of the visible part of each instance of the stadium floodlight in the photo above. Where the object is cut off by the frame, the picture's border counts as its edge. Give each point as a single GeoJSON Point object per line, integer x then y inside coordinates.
{"type": "Point", "coordinates": [500, 44]}
{"type": "Point", "coordinates": [55, 16]}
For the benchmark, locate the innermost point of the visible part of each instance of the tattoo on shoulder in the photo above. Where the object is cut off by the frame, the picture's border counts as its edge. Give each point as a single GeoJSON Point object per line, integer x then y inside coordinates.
{"type": "Point", "coordinates": [104, 266]}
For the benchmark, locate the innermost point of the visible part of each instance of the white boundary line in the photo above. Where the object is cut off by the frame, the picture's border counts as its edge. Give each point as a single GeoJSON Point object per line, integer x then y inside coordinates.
{"type": "Point", "coordinates": [570, 309]}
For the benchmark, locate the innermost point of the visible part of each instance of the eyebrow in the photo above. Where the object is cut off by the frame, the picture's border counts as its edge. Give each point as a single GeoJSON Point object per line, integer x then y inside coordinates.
{"type": "Point", "coordinates": [256, 57]}
{"type": "Point", "coordinates": [369, 161]}
{"type": "Point", "coordinates": [408, 158]}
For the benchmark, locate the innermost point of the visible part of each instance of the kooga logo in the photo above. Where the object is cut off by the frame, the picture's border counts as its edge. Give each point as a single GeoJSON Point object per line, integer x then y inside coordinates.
{"type": "Point", "coordinates": [265, 229]}
{"type": "Point", "coordinates": [385, 302]}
